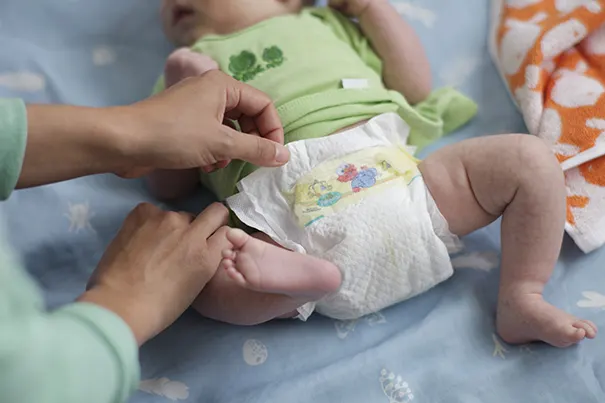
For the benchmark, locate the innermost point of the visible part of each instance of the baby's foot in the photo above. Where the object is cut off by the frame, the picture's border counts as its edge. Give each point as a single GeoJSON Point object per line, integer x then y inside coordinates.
{"type": "Point", "coordinates": [525, 318]}
{"type": "Point", "coordinates": [184, 63]}
{"type": "Point", "coordinates": [263, 267]}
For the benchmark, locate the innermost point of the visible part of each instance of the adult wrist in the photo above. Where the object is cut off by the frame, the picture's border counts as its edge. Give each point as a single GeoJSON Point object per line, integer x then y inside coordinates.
{"type": "Point", "coordinates": [66, 142]}
{"type": "Point", "coordinates": [124, 307]}
{"type": "Point", "coordinates": [118, 139]}
{"type": "Point", "coordinates": [134, 143]}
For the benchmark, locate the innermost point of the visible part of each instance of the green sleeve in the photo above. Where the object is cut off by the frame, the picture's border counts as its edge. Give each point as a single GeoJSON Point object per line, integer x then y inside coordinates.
{"type": "Point", "coordinates": [80, 353]}
{"type": "Point", "coordinates": [349, 32]}
{"type": "Point", "coordinates": [13, 137]}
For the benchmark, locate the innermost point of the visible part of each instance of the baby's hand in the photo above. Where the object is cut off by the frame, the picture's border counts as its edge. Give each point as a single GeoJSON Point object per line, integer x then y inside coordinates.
{"type": "Point", "coordinates": [352, 8]}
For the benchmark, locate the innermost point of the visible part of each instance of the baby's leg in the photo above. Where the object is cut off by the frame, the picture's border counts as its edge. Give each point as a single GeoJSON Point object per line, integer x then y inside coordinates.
{"type": "Point", "coordinates": [516, 177]}
{"type": "Point", "coordinates": [226, 301]}
{"type": "Point", "coordinates": [275, 291]}
{"type": "Point", "coordinates": [256, 263]}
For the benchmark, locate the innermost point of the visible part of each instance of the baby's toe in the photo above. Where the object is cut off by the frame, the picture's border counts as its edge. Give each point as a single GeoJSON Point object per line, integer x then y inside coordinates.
{"type": "Point", "coordinates": [590, 330]}
{"type": "Point", "coordinates": [227, 264]}
{"type": "Point", "coordinates": [236, 276]}
{"type": "Point", "coordinates": [237, 237]}
{"type": "Point", "coordinates": [577, 334]}
{"type": "Point", "coordinates": [593, 326]}
{"type": "Point", "coordinates": [228, 254]}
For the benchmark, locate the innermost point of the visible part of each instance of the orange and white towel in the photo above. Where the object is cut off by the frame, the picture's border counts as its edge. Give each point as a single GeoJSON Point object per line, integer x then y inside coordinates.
{"type": "Point", "coordinates": [551, 55]}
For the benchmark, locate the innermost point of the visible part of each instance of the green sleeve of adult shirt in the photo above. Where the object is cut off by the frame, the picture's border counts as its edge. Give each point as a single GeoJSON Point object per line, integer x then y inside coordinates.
{"type": "Point", "coordinates": [13, 136]}
{"type": "Point", "coordinates": [80, 353]}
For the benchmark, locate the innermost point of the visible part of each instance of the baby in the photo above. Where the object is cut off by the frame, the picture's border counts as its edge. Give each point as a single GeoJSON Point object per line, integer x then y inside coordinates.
{"type": "Point", "coordinates": [354, 223]}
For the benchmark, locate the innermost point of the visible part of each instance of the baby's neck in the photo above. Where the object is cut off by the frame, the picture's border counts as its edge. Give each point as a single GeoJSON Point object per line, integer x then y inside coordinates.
{"type": "Point", "coordinates": [225, 24]}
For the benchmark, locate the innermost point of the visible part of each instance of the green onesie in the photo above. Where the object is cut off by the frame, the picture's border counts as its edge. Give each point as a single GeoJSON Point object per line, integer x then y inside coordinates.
{"type": "Point", "coordinates": [304, 62]}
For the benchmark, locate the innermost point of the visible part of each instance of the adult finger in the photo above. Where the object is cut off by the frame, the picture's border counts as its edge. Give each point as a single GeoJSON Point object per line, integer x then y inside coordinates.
{"type": "Point", "coordinates": [208, 221]}
{"type": "Point", "coordinates": [140, 214]}
{"type": "Point", "coordinates": [253, 149]}
{"type": "Point", "coordinates": [187, 215]}
{"type": "Point", "coordinates": [222, 164]}
{"type": "Point", "coordinates": [218, 241]}
{"type": "Point", "coordinates": [248, 125]}
{"type": "Point", "coordinates": [244, 100]}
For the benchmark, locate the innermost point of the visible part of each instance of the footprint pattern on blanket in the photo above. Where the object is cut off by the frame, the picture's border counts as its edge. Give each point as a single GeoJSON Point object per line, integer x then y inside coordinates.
{"type": "Point", "coordinates": [344, 327]}
{"type": "Point", "coordinates": [79, 217]}
{"type": "Point", "coordinates": [254, 352]}
{"type": "Point", "coordinates": [552, 56]}
{"type": "Point", "coordinates": [171, 390]}
{"type": "Point", "coordinates": [394, 387]}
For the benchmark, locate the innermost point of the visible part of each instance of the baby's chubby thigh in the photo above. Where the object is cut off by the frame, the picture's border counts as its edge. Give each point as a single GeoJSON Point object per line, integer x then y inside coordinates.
{"type": "Point", "coordinates": [473, 181]}
{"type": "Point", "coordinates": [224, 300]}
{"type": "Point", "coordinates": [447, 183]}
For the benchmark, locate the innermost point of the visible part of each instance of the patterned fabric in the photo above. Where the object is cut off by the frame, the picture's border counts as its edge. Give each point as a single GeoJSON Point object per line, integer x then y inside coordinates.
{"type": "Point", "coordinates": [551, 54]}
{"type": "Point", "coordinates": [437, 347]}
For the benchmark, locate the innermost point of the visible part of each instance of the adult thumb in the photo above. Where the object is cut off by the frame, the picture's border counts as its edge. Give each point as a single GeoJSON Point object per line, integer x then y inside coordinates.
{"type": "Point", "coordinates": [256, 150]}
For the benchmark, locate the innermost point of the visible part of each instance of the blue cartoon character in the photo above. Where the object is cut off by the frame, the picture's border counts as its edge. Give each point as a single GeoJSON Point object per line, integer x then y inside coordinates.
{"type": "Point", "coordinates": [360, 179]}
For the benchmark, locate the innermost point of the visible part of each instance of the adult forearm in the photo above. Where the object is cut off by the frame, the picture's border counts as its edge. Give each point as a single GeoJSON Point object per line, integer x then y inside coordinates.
{"type": "Point", "coordinates": [65, 142]}
{"type": "Point", "coordinates": [80, 353]}
{"type": "Point", "coordinates": [405, 66]}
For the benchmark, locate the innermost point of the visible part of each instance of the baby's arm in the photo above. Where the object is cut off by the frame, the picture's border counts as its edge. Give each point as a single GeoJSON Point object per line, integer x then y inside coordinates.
{"type": "Point", "coordinates": [175, 184]}
{"type": "Point", "coordinates": [405, 66]}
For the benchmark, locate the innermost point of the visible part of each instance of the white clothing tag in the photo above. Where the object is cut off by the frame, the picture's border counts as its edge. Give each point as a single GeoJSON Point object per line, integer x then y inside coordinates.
{"type": "Point", "coordinates": [355, 83]}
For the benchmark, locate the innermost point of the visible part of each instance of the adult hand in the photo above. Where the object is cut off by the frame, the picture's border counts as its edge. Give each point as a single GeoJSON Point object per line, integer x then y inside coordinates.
{"type": "Point", "coordinates": [180, 128]}
{"type": "Point", "coordinates": [156, 266]}
{"type": "Point", "coordinates": [185, 126]}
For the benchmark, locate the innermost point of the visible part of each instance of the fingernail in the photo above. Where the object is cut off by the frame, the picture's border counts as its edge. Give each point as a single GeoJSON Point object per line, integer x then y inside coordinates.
{"type": "Point", "coordinates": [282, 155]}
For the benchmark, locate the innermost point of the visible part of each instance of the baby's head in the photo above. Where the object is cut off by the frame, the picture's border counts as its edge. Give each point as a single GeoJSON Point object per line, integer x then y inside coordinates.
{"type": "Point", "coordinates": [186, 21]}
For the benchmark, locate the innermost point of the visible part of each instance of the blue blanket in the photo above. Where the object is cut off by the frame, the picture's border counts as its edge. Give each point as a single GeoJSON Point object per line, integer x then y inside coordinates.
{"type": "Point", "coordinates": [438, 347]}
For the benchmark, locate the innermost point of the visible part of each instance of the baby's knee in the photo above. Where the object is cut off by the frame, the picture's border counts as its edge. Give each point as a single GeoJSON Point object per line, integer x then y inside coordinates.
{"type": "Point", "coordinates": [532, 154]}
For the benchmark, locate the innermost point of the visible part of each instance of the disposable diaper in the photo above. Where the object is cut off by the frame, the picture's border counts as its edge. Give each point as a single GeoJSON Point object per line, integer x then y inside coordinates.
{"type": "Point", "coordinates": [356, 199]}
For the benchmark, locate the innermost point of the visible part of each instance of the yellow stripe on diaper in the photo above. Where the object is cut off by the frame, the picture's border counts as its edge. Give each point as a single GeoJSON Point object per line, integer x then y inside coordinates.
{"type": "Point", "coordinates": [336, 184]}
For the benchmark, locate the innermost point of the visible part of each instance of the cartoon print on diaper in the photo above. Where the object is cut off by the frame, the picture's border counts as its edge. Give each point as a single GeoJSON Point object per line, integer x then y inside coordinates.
{"type": "Point", "coordinates": [322, 191]}
{"type": "Point", "coordinates": [336, 184]}
{"type": "Point", "coordinates": [365, 178]}
{"type": "Point", "coordinates": [385, 166]}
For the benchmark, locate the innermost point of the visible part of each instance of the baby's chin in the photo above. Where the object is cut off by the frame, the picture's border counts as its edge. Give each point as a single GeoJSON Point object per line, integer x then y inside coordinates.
{"type": "Point", "coordinates": [180, 38]}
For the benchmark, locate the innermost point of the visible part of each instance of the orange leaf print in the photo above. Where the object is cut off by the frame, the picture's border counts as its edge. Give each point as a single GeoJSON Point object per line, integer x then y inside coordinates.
{"type": "Point", "coordinates": [575, 201]}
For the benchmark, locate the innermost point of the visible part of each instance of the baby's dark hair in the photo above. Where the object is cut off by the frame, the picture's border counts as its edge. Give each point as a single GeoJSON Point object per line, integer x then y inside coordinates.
{"type": "Point", "coordinates": [308, 3]}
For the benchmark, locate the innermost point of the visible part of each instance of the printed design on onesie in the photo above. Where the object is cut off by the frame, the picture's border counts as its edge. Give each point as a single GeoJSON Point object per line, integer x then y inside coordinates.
{"type": "Point", "coordinates": [245, 65]}
{"type": "Point", "coordinates": [335, 184]}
